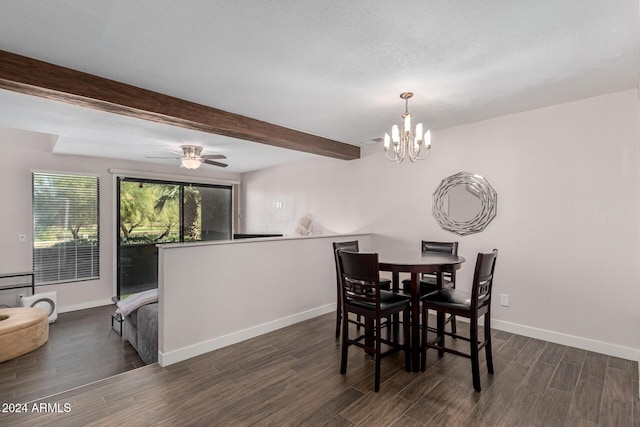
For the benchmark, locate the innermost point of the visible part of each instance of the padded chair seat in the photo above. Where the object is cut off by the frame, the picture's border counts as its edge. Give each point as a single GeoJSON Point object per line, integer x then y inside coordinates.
{"type": "Point", "coordinates": [427, 285]}
{"type": "Point", "coordinates": [388, 300]}
{"type": "Point", "coordinates": [450, 298]}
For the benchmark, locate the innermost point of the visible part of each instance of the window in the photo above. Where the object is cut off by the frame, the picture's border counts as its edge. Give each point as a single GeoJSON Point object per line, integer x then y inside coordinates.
{"type": "Point", "coordinates": [65, 228]}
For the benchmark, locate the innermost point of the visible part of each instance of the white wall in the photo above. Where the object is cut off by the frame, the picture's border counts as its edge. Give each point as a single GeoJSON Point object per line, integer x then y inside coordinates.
{"type": "Point", "coordinates": [213, 294]}
{"type": "Point", "coordinates": [567, 226]}
{"type": "Point", "coordinates": [20, 153]}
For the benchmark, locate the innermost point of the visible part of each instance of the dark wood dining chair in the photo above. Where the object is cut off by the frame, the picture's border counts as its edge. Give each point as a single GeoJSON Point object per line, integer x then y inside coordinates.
{"type": "Point", "coordinates": [352, 246]}
{"type": "Point", "coordinates": [471, 306]}
{"type": "Point", "coordinates": [429, 282]}
{"type": "Point", "coordinates": [363, 296]}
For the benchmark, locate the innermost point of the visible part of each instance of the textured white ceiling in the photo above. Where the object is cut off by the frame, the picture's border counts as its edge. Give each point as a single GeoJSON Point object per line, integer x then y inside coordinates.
{"type": "Point", "coordinates": [331, 68]}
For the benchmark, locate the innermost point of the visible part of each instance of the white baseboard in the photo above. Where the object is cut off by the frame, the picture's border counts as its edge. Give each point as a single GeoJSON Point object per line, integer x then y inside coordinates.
{"type": "Point", "coordinates": [165, 359]}
{"type": "Point", "coordinates": [568, 340]}
{"type": "Point", "coordinates": [85, 305]}
{"type": "Point", "coordinates": [175, 356]}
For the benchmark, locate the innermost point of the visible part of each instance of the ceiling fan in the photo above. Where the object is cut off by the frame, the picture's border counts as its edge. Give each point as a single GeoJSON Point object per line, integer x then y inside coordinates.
{"type": "Point", "coordinates": [192, 159]}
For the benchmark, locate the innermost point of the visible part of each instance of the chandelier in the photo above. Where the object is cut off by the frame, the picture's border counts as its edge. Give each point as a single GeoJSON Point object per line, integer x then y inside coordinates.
{"type": "Point", "coordinates": [406, 141]}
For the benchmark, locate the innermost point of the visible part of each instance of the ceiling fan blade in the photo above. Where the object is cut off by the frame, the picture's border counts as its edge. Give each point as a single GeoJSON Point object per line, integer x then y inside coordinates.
{"type": "Point", "coordinates": [213, 156]}
{"type": "Point", "coordinates": [211, 162]}
{"type": "Point", "coordinates": [163, 157]}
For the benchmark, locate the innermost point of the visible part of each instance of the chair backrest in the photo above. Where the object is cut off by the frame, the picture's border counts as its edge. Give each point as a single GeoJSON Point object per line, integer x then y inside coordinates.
{"type": "Point", "coordinates": [440, 247]}
{"type": "Point", "coordinates": [352, 246]}
{"type": "Point", "coordinates": [483, 279]}
{"type": "Point", "coordinates": [360, 277]}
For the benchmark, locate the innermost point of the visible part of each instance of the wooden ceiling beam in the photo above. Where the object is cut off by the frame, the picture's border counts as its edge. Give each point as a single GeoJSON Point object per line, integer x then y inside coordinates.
{"type": "Point", "coordinates": [32, 77]}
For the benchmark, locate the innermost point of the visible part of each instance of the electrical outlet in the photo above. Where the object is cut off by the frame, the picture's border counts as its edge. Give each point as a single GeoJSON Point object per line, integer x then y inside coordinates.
{"type": "Point", "coordinates": [504, 300]}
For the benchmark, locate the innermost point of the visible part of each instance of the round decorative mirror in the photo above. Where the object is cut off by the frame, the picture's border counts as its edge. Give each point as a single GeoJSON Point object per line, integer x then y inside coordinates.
{"type": "Point", "coordinates": [464, 203]}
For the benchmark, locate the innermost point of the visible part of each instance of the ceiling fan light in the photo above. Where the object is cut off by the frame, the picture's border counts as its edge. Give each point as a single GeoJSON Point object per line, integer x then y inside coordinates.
{"type": "Point", "coordinates": [191, 164]}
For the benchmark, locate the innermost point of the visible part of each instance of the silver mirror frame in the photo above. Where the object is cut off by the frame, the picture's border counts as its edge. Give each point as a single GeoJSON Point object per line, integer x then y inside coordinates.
{"type": "Point", "coordinates": [488, 200]}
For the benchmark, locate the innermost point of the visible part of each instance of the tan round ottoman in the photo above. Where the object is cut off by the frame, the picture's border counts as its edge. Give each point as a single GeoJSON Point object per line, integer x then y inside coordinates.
{"type": "Point", "coordinates": [22, 330]}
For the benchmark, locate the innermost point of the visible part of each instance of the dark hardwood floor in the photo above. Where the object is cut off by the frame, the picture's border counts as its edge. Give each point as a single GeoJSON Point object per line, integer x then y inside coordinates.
{"type": "Point", "coordinates": [291, 377]}
{"type": "Point", "coordinates": [82, 348]}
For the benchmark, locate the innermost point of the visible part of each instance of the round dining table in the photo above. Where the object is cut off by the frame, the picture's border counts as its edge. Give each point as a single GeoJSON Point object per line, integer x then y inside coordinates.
{"type": "Point", "coordinates": [416, 263]}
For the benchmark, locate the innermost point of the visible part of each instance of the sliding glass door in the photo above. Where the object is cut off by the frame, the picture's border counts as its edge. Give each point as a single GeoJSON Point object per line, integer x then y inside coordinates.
{"type": "Point", "coordinates": [152, 212]}
{"type": "Point", "coordinates": [207, 213]}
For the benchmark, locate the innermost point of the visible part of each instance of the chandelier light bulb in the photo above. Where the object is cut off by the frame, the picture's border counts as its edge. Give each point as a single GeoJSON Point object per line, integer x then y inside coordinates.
{"type": "Point", "coordinates": [387, 141]}
{"type": "Point", "coordinates": [418, 133]}
{"type": "Point", "coordinates": [395, 134]}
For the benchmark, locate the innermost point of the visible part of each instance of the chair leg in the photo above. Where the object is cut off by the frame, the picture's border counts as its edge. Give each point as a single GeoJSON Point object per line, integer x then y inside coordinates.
{"type": "Point", "coordinates": [345, 344]}
{"type": "Point", "coordinates": [440, 328]}
{"type": "Point", "coordinates": [369, 341]}
{"type": "Point", "coordinates": [487, 346]}
{"type": "Point", "coordinates": [377, 354]}
{"type": "Point", "coordinates": [406, 332]}
{"type": "Point", "coordinates": [423, 339]}
{"type": "Point", "coordinates": [454, 327]}
{"type": "Point", "coordinates": [395, 321]}
{"type": "Point", "coordinates": [473, 344]}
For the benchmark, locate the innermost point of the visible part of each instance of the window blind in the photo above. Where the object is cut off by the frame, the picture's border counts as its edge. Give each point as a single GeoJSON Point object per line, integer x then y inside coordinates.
{"type": "Point", "coordinates": [65, 228]}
